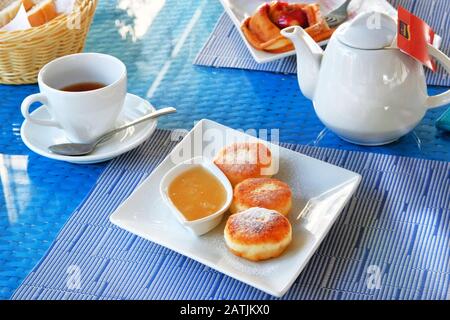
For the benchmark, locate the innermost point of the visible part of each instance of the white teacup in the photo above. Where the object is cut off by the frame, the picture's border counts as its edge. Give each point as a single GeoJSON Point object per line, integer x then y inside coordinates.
{"type": "Point", "coordinates": [83, 115]}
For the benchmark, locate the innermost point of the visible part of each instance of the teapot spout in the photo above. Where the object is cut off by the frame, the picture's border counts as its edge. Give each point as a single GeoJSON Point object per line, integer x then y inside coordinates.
{"type": "Point", "coordinates": [309, 58]}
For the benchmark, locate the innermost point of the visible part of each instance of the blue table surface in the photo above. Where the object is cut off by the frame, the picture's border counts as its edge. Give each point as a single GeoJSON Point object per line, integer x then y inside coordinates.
{"type": "Point", "coordinates": [157, 40]}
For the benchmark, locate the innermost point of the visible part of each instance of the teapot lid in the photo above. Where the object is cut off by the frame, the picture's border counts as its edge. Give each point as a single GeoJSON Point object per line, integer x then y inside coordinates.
{"type": "Point", "coordinates": [369, 31]}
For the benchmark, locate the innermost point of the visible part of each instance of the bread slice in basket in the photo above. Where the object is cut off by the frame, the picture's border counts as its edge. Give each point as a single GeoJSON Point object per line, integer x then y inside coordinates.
{"type": "Point", "coordinates": [38, 11]}
{"type": "Point", "coordinates": [42, 12]}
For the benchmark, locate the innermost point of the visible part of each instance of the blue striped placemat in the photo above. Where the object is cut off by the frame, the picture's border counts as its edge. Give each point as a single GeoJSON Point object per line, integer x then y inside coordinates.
{"type": "Point", "coordinates": [390, 242]}
{"type": "Point", "coordinates": [226, 49]}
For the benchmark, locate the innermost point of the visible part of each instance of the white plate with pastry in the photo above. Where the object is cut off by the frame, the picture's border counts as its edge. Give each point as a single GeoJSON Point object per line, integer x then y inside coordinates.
{"type": "Point", "coordinates": [297, 179]}
{"type": "Point", "coordinates": [240, 10]}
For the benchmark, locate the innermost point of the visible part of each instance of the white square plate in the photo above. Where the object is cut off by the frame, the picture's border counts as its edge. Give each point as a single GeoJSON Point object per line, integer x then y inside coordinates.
{"type": "Point", "coordinates": [239, 10]}
{"type": "Point", "coordinates": [145, 214]}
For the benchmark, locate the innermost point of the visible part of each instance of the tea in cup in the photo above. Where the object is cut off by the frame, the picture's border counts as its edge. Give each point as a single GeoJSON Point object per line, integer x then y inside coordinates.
{"type": "Point", "coordinates": [84, 94]}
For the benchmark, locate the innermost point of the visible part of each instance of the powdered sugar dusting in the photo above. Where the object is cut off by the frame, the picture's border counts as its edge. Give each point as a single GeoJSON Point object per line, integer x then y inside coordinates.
{"type": "Point", "coordinates": [253, 220]}
{"type": "Point", "coordinates": [244, 153]}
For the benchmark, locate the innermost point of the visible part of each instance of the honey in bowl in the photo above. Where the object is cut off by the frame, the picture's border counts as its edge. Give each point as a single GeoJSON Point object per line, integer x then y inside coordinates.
{"type": "Point", "coordinates": [197, 193]}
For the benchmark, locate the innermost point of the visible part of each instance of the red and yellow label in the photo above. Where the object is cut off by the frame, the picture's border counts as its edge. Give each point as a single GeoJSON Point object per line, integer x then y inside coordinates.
{"type": "Point", "coordinates": [413, 38]}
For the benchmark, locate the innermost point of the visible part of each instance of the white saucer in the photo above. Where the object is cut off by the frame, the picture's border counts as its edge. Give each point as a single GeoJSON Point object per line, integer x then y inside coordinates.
{"type": "Point", "coordinates": [38, 138]}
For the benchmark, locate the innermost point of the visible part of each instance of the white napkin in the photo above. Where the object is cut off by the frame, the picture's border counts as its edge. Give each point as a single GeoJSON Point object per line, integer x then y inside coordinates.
{"type": "Point", "coordinates": [64, 6]}
{"type": "Point", "coordinates": [20, 21]}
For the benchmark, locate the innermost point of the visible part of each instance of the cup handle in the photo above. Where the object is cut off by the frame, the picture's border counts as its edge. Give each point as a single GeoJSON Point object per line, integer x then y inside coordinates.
{"type": "Point", "coordinates": [28, 101]}
{"type": "Point", "coordinates": [443, 98]}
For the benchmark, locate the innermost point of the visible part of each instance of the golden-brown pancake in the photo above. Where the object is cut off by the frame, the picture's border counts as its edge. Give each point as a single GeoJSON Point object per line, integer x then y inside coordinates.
{"type": "Point", "coordinates": [257, 234]}
{"type": "Point", "coordinates": [243, 160]}
{"type": "Point", "coordinates": [266, 193]}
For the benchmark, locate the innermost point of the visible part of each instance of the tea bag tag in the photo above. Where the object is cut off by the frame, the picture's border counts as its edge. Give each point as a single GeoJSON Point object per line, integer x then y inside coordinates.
{"type": "Point", "coordinates": [414, 36]}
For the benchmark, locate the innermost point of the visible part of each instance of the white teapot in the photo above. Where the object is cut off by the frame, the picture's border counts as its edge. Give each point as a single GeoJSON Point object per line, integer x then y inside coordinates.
{"type": "Point", "coordinates": [364, 89]}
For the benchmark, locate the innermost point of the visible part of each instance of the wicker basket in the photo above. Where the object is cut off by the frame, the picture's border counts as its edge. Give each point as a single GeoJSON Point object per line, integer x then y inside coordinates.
{"type": "Point", "coordinates": [24, 52]}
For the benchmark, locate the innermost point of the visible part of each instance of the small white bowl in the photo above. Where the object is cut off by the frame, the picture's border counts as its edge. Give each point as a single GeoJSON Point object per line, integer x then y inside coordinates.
{"type": "Point", "coordinates": [203, 225]}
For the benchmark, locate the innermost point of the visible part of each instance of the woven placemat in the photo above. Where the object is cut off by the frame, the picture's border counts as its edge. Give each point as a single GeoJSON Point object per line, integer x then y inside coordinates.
{"type": "Point", "coordinates": [40, 194]}
{"type": "Point", "coordinates": [226, 49]}
{"type": "Point", "coordinates": [396, 225]}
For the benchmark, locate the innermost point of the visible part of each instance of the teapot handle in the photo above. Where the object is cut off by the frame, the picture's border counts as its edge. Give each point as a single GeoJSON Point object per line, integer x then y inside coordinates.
{"type": "Point", "coordinates": [443, 98]}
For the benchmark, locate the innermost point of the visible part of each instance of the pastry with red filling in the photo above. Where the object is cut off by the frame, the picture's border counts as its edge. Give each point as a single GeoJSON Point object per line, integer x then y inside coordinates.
{"type": "Point", "coordinates": [262, 29]}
